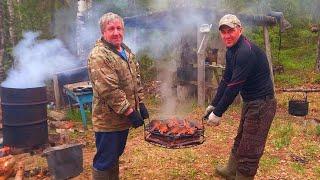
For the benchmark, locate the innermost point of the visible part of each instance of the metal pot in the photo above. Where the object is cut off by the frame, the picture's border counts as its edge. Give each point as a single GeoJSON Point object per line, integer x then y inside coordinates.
{"type": "Point", "coordinates": [298, 107]}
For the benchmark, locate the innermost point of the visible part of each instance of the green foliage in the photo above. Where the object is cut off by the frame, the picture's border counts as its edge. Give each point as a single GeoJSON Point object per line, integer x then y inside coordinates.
{"type": "Point", "coordinates": [283, 135]}
{"type": "Point", "coordinates": [34, 15]}
{"type": "Point", "coordinates": [147, 68]}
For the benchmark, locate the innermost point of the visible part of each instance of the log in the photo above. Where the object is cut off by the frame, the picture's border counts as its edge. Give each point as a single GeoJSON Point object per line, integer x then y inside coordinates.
{"type": "Point", "coordinates": [57, 116]}
{"type": "Point", "coordinates": [300, 90]}
{"type": "Point", "coordinates": [7, 167]}
{"type": "Point", "coordinates": [20, 171]}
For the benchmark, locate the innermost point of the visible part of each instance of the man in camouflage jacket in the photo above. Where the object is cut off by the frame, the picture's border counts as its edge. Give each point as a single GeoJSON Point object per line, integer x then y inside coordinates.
{"type": "Point", "coordinates": [117, 96]}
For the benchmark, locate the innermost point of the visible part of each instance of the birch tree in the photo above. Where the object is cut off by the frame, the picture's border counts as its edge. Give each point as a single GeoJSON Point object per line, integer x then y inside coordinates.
{"type": "Point", "coordinates": [11, 22]}
{"type": "Point", "coordinates": [1, 41]}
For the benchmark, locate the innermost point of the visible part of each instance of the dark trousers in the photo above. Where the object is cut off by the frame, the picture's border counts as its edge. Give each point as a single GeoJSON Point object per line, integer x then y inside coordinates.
{"type": "Point", "coordinates": [110, 146]}
{"type": "Point", "coordinates": [256, 119]}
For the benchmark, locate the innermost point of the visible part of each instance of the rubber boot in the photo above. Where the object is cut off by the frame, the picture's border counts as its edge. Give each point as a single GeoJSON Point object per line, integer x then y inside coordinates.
{"type": "Point", "coordinates": [100, 175]}
{"type": "Point", "coordinates": [240, 176]}
{"type": "Point", "coordinates": [109, 174]}
{"type": "Point", "coordinates": [229, 170]}
{"type": "Point", "coordinates": [115, 171]}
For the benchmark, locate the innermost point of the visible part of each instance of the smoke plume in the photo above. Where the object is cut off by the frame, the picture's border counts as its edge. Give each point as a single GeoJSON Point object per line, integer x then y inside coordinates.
{"type": "Point", "coordinates": [37, 61]}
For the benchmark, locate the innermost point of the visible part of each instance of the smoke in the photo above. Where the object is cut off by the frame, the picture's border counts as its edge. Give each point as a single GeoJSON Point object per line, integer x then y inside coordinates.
{"type": "Point", "coordinates": [37, 61]}
{"type": "Point", "coordinates": [162, 44]}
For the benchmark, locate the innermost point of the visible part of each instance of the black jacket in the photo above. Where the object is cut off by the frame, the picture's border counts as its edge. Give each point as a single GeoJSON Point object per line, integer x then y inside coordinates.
{"type": "Point", "coordinates": [247, 71]}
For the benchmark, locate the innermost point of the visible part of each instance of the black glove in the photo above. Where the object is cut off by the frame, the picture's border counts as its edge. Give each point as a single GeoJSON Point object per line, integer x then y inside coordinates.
{"type": "Point", "coordinates": [135, 119]}
{"type": "Point", "coordinates": [143, 111]}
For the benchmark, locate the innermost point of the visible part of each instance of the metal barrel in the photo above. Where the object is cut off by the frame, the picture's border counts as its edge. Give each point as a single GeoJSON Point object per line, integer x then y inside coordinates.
{"type": "Point", "coordinates": [24, 116]}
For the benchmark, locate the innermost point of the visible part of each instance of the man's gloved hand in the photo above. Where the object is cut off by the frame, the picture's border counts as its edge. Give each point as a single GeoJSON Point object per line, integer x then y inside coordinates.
{"type": "Point", "coordinates": [207, 112]}
{"type": "Point", "coordinates": [143, 111]}
{"type": "Point", "coordinates": [135, 119]}
{"type": "Point", "coordinates": [213, 120]}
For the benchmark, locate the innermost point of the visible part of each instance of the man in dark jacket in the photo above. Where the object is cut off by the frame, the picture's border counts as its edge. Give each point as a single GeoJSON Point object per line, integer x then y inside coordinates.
{"type": "Point", "coordinates": [247, 71]}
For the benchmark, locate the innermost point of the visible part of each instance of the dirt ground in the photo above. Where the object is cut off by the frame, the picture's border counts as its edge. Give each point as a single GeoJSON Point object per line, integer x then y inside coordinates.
{"type": "Point", "coordinates": [292, 150]}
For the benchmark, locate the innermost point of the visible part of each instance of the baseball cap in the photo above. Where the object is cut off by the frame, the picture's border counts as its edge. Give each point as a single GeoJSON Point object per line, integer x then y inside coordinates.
{"type": "Point", "coordinates": [229, 20]}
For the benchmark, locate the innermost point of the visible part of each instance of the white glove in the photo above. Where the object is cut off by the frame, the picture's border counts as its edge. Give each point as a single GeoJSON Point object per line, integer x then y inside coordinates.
{"type": "Point", "coordinates": [207, 112]}
{"type": "Point", "coordinates": [213, 120]}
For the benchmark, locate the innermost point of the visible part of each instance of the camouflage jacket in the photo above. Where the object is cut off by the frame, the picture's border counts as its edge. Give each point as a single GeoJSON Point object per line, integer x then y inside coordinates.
{"type": "Point", "coordinates": [116, 86]}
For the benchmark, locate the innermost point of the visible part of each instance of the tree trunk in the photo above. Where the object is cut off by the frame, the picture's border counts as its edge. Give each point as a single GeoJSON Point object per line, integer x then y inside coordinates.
{"type": "Point", "coordinates": [82, 7]}
{"type": "Point", "coordinates": [11, 22]}
{"type": "Point", "coordinates": [318, 58]}
{"type": "Point", "coordinates": [2, 73]}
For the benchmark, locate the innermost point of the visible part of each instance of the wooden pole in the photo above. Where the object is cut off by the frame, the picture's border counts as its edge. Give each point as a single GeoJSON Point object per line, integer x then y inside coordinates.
{"type": "Point", "coordinates": [268, 50]}
{"type": "Point", "coordinates": [201, 45]}
{"type": "Point", "coordinates": [56, 90]}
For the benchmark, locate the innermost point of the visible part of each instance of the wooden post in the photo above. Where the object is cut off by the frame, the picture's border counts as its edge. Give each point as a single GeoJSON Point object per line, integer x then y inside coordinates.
{"type": "Point", "coordinates": [268, 50]}
{"type": "Point", "coordinates": [56, 92]}
{"type": "Point", "coordinates": [201, 45]}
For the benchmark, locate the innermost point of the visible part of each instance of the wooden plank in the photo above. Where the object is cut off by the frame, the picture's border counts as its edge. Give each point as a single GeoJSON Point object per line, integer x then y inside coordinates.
{"type": "Point", "coordinates": [56, 90]}
{"type": "Point", "coordinates": [268, 50]}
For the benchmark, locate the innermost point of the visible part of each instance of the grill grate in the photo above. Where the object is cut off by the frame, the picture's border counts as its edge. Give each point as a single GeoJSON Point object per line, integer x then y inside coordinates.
{"type": "Point", "coordinates": [173, 141]}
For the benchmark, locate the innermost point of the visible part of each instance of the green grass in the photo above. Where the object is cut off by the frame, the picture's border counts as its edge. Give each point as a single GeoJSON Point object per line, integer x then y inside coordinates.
{"type": "Point", "coordinates": [316, 171]}
{"type": "Point", "coordinates": [298, 168]}
{"type": "Point", "coordinates": [267, 163]}
{"type": "Point", "coordinates": [311, 150]}
{"type": "Point", "coordinates": [175, 173]}
{"type": "Point", "coordinates": [192, 173]}
{"type": "Point", "coordinates": [189, 157]}
{"type": "Point", "coordinates": [288, 79]}
{"type": "Point", "coordinates": [282, 135]}
{"type": "Point", "coordinates": [318, 130]}
{"type": "Point", "coordinates": [298, 58]}
{"type": "Point", "coordinates": [75, 115]}
{"type": "Point", "coordinates": [317, 79]}
{"type": "Point", "coordinates": [297, 55]}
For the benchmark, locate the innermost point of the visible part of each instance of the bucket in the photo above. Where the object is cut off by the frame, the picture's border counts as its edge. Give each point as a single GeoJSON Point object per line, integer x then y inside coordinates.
{"type": "Point", "coordinates": [64, 161]}
{"type": "Point", "coordinates": [298, 107]}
